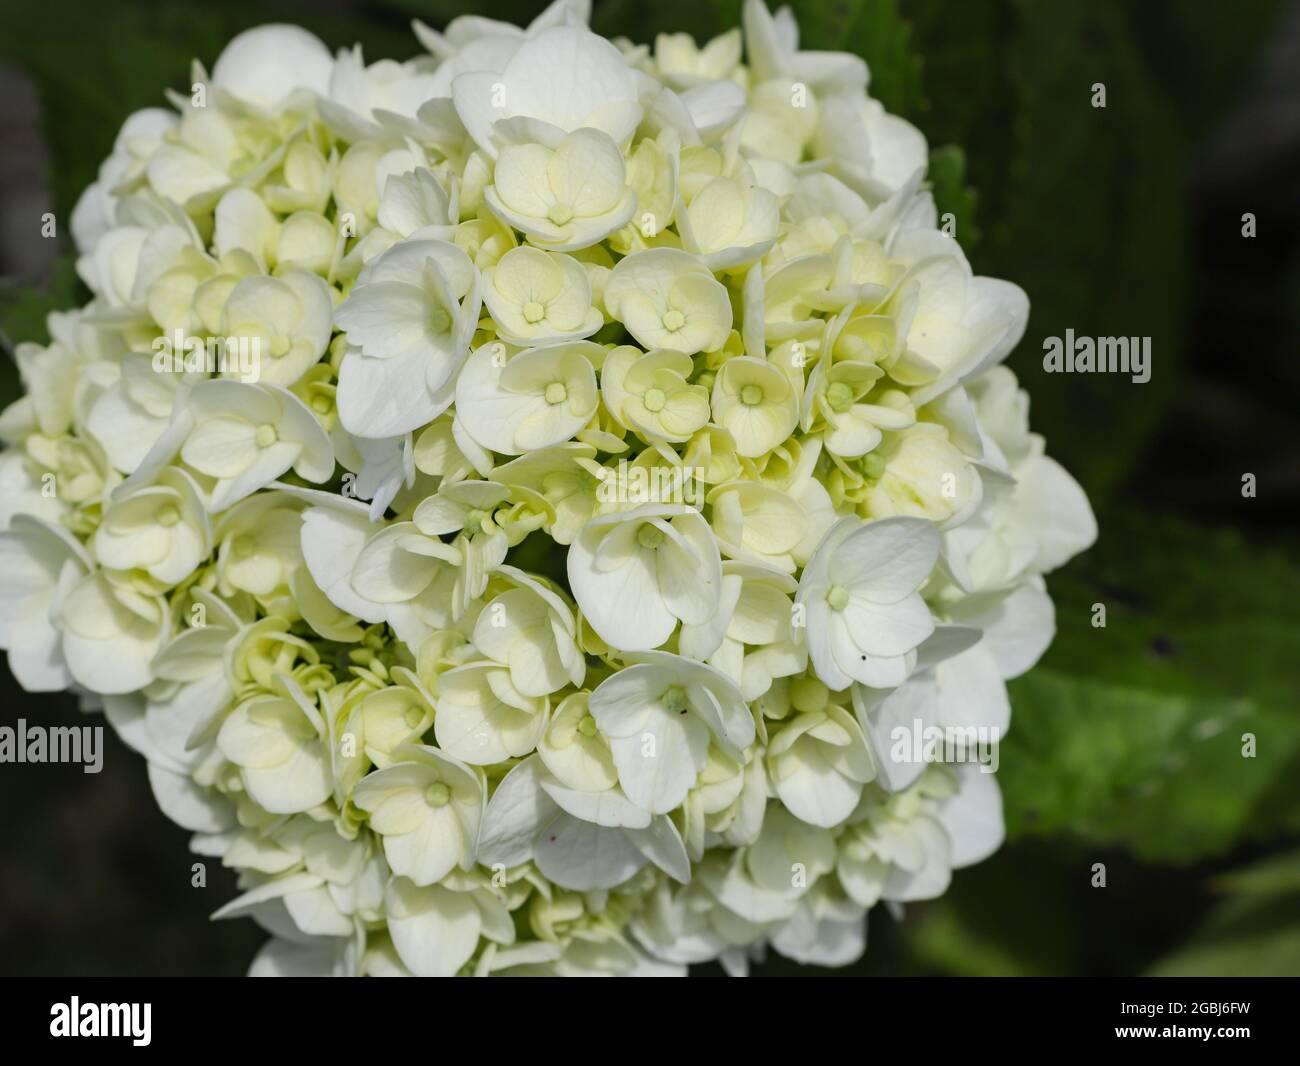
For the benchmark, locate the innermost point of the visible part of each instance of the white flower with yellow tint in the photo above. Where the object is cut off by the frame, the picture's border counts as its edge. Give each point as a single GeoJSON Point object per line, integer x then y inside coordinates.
{"type": "Point", "coordinates": [562, 79]}
{"type": "Point", "coordinates": [863, 613]}
{"type": "Point", "coordinates": [637, 573]}
{"type": "Point", "coordinates": [907, 847]}
{"type": "Point", "coordinates": [302, 180]}
{"type": "Point", "coordinates": [136, 142]}
{"type": "Point", "coordinates": [782, 119]}
{"type": "Point", "coordinates": [660, 714]}
{"type": "Point", "coordinates": [533, 399]}
{"type": "Point", "coordinates": [161, 530]}
{"type": "Point", "coordinates": [435, 930]}
{"type": "Point", "coordinates": [259, 548]}
{"type": "Point", "coordinates": [652, 172]}
{"type": "Point", "coordinates": [240, 437]}
{"type": "Point", "coordinates": [730, 223]}
{"type": "Point", "coordinates": [111, 632]}
{"type": "Point", "coordinates": [278, 744]}
{"type": "Point", "coordinates": [854, 428]}
{"type": "Point", "coordinates": [400, 565]}
{"type": "Point", "coordinates": [818, 762]}
{"type": "Point", "coordinates": [961, 324]}
{"type": "Point", "coordinates": [668, 298]}
{"type": "Point", "coordinates": [415, 204]}
{"type": "Point", "coordinates": [269, 66]}
{"type": "Point", "coordinates": [244, 223]}
{"type": "Point", "coordinates": [109, 271]}
{"type": "Point", "coordinates": [649, 392]}
{"type": "Point", "coordinates": [482, 718]}
{"type": "Point", "coordinates": [285, 321]}
{"type": "Point", "coordinates": [924, 474]}
{"type": "Point", "coordinates": [426, 807]}
{"type": "Point", "coordinates": [567, 193]}
{"type": "Point", "coordinates": [683, 64]}
{"type": "Point", "coordinates": [756, 403]}
{"type": "Point", "coordinates": [362, 98]}
{"type": "Point", "coordinates": [374, 725]}
{"type": "Point", "coordinates": [538, 298]}
{"type": "Point", "coordinates": [43, 560]}
{"type": "Point", "coordinates": [408, 320]}
{"type": "Point", "coordinates": [752, 639]}
{"type": "Point", "coordinates": [758, 523]}
{"type": "Point", "coordinates": [565, 475]}
{"type": "Point", "coordinates": [574, 750]}
{"type": "Point", "coordinates": [530, 630]}
{"type": "Point", "coordinates": [577, 839]}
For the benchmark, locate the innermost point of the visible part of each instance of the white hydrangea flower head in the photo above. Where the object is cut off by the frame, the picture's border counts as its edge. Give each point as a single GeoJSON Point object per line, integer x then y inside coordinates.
{"type": "Point", "coordinates": [515, 499]}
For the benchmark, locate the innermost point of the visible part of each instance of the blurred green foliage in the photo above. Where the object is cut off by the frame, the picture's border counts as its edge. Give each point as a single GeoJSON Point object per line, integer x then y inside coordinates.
{"type": "Point", "coordinates": [1133, 733]}
{"type": "Point", "coordinates": [1127, 741]}
{"type": "Point", "coordinates": [1254, 930]}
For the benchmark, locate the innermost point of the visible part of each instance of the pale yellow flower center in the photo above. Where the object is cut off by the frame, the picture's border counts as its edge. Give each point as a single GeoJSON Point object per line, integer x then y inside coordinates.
{"type": "Point", "coordinates": [674, 699]}
{"type": "Point", "coordinates": [839, 396]}
{"type": "Point", "coordinates": [649, 536]}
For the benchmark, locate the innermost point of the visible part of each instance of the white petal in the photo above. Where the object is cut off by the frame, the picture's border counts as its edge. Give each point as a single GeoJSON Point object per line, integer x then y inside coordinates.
{"type": "Point", "coordinates": [658, 766]}
{"type": "Point", "coordinates": [434, 930]}
{"type": "Point", "coordinates": [973, 818]}
{"type": "Point", "coordinates": [582, 856]}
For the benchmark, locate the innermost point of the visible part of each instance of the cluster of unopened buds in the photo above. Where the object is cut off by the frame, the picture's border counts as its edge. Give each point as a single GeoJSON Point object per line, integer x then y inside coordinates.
{"type": "Point", "coordinates": [525, 503]}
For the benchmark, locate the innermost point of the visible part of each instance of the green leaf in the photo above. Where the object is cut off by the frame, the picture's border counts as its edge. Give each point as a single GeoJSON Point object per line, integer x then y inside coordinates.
{"type": "Point", "coordinates": [1134, 734]}
{"type": "Point", "coordinates": [1253, 933]}
{"type": "Point", "coordinates": [1259, 941]}
{"type": "Point", "coordinates": [949, 941]}
{"type": "Point", "coordinates": [1274, 875]}
{"type": "Point", "coordinates": [969, 99]}
{"type": "Point", "coordinates": [1093, 230]}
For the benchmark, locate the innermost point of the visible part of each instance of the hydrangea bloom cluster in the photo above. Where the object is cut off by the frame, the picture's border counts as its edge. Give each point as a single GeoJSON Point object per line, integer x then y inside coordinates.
{"type": "Point", "coordinates": [516, 499]}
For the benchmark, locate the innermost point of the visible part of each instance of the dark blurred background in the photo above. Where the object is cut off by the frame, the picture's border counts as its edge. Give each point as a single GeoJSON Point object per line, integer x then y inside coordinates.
{"type": "Point", "coordinates": [1123, 221]}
